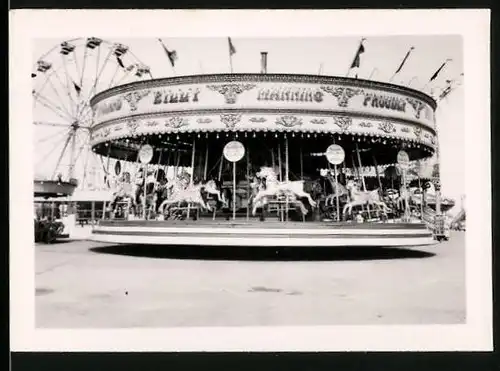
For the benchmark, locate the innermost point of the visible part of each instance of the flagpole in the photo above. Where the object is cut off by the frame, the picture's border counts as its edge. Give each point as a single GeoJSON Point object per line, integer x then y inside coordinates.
{"type": "Point", "coordinates": [320, 69]}
{"type": "Point", "coordinates": [357, 54]}
{"type": "Point", "coordinates": [373, 71]}
{"type": "Point", "coordinates": [231, 61]}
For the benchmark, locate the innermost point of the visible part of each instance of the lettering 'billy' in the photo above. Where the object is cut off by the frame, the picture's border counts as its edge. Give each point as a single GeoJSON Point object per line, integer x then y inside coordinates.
{"type": "Point", "coordinates": [168, 96]}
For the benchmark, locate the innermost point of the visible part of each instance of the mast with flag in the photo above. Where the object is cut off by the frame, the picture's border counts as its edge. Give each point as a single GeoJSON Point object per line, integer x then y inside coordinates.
{"type": "Point", "coordinates": [403, 62]}
{"type": "Point", "coordinates": [232, 50]}
{"type": "Point", "coordinates": [171, 55]}
{"type": "Point", "coordinates": [438, 71]}
{"type": "Point", "coordinates": [357, 58]}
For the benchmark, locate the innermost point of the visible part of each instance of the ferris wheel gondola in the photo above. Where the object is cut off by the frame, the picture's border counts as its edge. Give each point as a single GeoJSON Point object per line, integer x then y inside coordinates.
{"type": "Point", "coordinates": [65, 78]}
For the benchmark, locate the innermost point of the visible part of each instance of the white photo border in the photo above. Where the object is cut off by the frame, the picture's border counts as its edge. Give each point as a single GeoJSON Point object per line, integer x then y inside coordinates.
{"type": "Point", "coordinates": [473, 25]}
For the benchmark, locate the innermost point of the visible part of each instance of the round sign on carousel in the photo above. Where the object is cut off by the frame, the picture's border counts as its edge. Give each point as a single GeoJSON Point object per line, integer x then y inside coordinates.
{"type": "Point", "coordinates": [335, 154]}
{"type": "Point", "coordinates": [146, 154]}
{"type": "Point", "coordinates": [403, 159]}
{"type": "Point", "coordinates": [234, 151]}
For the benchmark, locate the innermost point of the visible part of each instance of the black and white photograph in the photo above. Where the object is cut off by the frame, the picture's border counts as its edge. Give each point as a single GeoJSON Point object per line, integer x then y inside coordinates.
{"type": "Point", "coordinates": [217, 187]}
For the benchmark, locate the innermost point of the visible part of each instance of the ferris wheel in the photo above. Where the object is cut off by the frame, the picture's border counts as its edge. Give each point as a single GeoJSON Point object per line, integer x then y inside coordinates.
{"type": "Point", "coordinates": [64, 79]}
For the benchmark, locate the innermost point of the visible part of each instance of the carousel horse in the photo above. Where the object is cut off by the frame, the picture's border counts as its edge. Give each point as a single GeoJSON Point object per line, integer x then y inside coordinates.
{"type": "Point", "coordinates": [338, 190]}
{"type": "Point", "coordinates": [212, 188]}
{"type": "Point", "coordinates": [182, 192]}
{"type": "Point", "coordinates": [359, 198]}
{"type": "Point", "coordinates": [275, 188]}
{"type": "Point", "coordinates": [123, 193]}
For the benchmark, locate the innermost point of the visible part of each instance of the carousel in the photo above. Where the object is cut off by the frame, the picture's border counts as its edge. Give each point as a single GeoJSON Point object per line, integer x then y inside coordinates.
{"type": "Point", "coordinates": [264, 160]}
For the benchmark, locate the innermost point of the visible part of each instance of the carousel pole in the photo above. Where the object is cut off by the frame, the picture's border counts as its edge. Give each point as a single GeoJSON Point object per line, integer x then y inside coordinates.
{"type": "Point", "coordinates": [193, 151]}
{"type": "Point", "coordinates": [337, 192]}
{"type": "Point", "coordinates": [301, 163]}
{"type": "Point", "coordinates": [206, 164]}
{"type": "Point", "coordinates": [234, 190]}
{"type": "Point", "coordinates": [281, 179]}
{"type": "Point", "coordinates": [156, 175]}
{"type": "Point", "coordinates": [248, 182]}
{"type": "Point", "coordinates": [287, 174]}
{"type": "Point", "coordinates": [360, 172]}
{"type": "Point", "coordinates": [145, 186]}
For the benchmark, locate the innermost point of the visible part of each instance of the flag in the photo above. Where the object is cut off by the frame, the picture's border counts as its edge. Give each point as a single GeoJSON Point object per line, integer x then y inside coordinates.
{"type": "Point", "coordinates": [433, 77]}
{"type": "Point", "coordinates": [361, 50]}
{"type": "Point", "coordinates": [171, 54]}
{"type": "Point", "coordinates": [120, 62]}
{"type": "Point", "coordinates": [77, 88]}
{"type": "Point", "coordinates": [404, 60]}
{"type": "Point", "coordinates": [263, 62]}
{"type": "Point", "coordinates": [232, 49]}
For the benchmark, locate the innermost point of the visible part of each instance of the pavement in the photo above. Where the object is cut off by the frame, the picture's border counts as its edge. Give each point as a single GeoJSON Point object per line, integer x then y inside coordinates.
{"type": "Point", "coordinates": [83, 284]}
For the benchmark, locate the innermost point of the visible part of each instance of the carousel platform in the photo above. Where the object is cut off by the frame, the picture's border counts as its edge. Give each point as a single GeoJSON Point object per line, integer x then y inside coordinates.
{"type": "Point", "coordinates": [258, 233]}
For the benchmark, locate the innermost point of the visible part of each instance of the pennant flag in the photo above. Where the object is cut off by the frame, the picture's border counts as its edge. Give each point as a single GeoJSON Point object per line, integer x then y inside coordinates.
{"type": "Point", "coordinates": [77, 88]}
{"type": "Point", "coordinates": [120, 62]}
{"type": "Point", "coordinates": [404, 60]}
{"type": "Point", "coordinates": [33, 75]}
{"type": "Point", "coordinates": [171, 54]}
{"type": "Point", "coordinates": [361, 50]}
{"type": "Point", "coordinates": [433, 77]}
{"type": "Point", "coordinates": [232, 49]}
{"type": "Point", "coordinates": [445, 92]}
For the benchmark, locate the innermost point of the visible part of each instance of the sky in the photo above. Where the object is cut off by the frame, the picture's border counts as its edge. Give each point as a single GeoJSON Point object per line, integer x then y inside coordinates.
{"type": "Point", "coordinates": [326, 56]}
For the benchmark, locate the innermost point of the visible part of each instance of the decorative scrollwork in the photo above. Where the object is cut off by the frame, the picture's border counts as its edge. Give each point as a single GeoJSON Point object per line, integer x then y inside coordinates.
{"type": "Point", "coordinates": [258, 119]}
{"type": "Point", "coordinates": [176, 122]}
{"type": "Point", "coordinates": [417, 131]}
{"type": "Point", "coordinates": [203, 120]}
{"type": "Point", "coordinates": [152, 123]}
{"type": "Point", "coordinates": [318, 121]}
{"type": "Point", "coordinates": [133, 98]}
{"type": "Point", "coordinates": [433, 139]}
{"type": "Point", "coordinates": [417, 106]}
{"type": "Point", "coordinates": [230, 119]}
{"type": "Point", "coordinates": [106, 132]}
{"type": "Point", "coordinates": [387, 127]}
{"type": "Point", "coordinates": [365, 124]}
{"type": "Point", "coordinates": [231, 91]}
{"type": "Point", "coordinates": [342, 94]}
{"type": "Point", "coordinates": [343, 122]}
{"type": "Point", "coordinates": [289, 121]}
{"type": "Point", "coordinates": [132, 126]}
{"type": "Point", "coordinates": [404, 129]}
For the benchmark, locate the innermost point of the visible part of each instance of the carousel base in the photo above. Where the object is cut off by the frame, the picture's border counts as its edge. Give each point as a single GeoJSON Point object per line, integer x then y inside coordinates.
{"type": "Point", "coordinates": [257, 233]}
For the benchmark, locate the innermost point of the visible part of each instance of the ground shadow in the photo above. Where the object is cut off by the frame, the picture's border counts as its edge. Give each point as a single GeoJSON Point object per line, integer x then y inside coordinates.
{"type": "Point", "coordinates": [309, 253]}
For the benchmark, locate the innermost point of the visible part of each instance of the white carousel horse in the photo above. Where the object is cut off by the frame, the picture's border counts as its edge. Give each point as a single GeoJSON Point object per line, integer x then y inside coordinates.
{"type": "Point", "coordinates": [211, 188]}
{"type": "Point", "coordinates": [181, 192]}
{"type": "Point", "coordinates": [257, 185]}
{"type": "Point", "coordinates": [338, 190]}
{"type": "Point", "coordinates": [358, 198]}
{"type": "Point", "coordinates": [275, 188]}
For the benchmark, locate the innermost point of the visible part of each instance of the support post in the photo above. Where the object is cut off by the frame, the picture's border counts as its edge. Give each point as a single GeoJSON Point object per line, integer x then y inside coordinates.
{"type": "Point", "coordinates": [248, 183]}
{"type": "Point", "coordinates": [234, 190]}
{"type": "Point", "coordinates": [337, 192]}
{"type": "Point", "coordinates": [193, 154]}
{"type": "Point", "coordinates": [360, 172]}
{"type": "Point", "coordinates": [287, 174]}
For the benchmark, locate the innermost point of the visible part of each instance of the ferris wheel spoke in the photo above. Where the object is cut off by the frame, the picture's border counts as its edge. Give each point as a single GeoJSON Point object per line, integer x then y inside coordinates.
{"type": "Point", "coordinates": [59, 96]}
{"type": "Point", "coordinates": [70, 136]}
{"type": "Point", "coordinates": [114, 76]}
{"type": "Point", "coordinates": [53, 135]}
{"type": "Point", "coordinates": [74, 106]}
{"type": "Point", "coordinates": [43, 158]}
{"type": "Point", "coordinates": [47, 103]}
